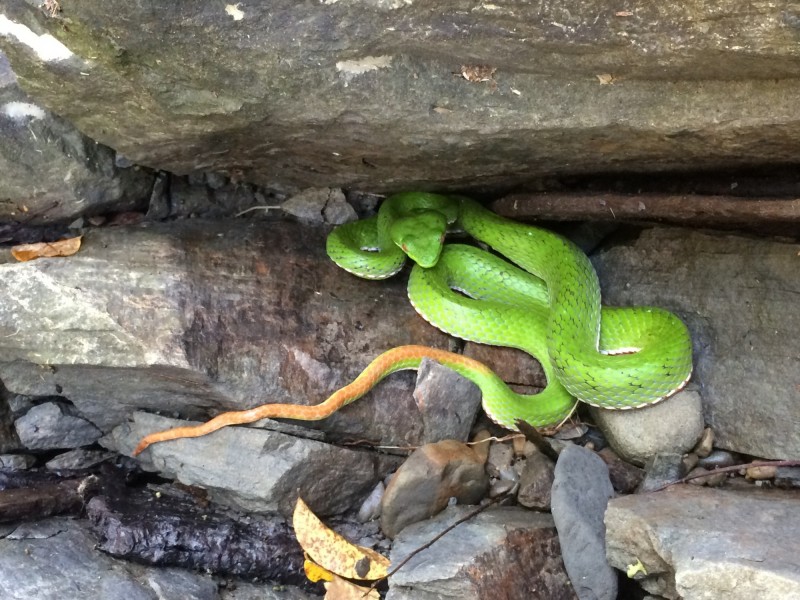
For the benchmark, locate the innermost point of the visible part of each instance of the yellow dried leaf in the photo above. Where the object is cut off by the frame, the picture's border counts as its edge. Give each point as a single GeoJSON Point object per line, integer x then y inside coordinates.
{"type": "Point", "coordinates": [25, 252]}
{"type": "Point", "coordinates": [341, 589]}
{"type": "Point", "coordinates": [332, 551]}
{"type": "Point", "coordinates": [316, 573]}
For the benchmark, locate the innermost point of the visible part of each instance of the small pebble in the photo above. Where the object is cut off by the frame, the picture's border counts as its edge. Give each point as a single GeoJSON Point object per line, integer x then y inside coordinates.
{"type": "Point", "coordinates": [690, 461]}
{"type": "Point", "coordinates": [16, 462]}
{"type": "Point", "coordinates": [711, 479]}
{"type": "Point", "coordinates": [536, 482]}
{"type": "Point", "coordinates": [717, 459]}
{"type": "Point", "coordinates": [371, 507]}
{"type": "Point", "coordinates": [662, 470]}
{"type": "Point", "coordinates": [706, 443]}
{"type": "Point", "coordinates": [480, 443]}
{"type": "Point", "coordinates": [519, 443]}
{"type": "Point", "coordinates": [501, 455]}
{"type": "Point", "coordinates": [624, 476]}
{"type": "Point", "coordinates": [761, 472]}
{"type": "Point", "coordinates": [787, 477]}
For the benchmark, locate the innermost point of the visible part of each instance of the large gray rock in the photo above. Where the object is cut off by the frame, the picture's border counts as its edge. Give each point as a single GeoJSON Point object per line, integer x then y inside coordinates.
{"type": "Point", "coordinates": [49, 171]}
{"type": "Point", "coordinates": [259, 470]}
{"type": "Point", "coordinates": [501, 554]}
{"type": "Point", "coordinates": [57, 559]}
{"type": "Point", "coordinates": [384, 94]}
{"type": "Point", "coordinates": [697, 543]}
{"type": "Point", "coordinates": [738, 295]}
{"type": "Point", "coordinates": [580, 494]}
{"type": "Point", "coordinates": [55, 425]}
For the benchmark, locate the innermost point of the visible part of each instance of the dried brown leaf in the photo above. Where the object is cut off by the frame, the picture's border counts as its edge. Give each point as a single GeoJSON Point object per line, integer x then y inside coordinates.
{"type": "Point", "coordinates": [332, 552]}
{"type": "Point", "coordinates": [341, 589]}
{"type": "Point", "coordinates": [26, 252]}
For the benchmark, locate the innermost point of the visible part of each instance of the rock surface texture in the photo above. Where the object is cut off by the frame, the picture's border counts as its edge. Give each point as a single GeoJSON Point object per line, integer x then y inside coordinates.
{"type": "Point", "coordinates": [503, 554]}
{"type": "Point", "coordinates": [56, 559]}
{"type": "Point", "coordinates": [429, 94]}
{"type": "Point", "coordinates": [259, 470]}
{"type": "Point", "coordinates": [698, 543]}
{"type": "Point", "coordinates": [50, 171]}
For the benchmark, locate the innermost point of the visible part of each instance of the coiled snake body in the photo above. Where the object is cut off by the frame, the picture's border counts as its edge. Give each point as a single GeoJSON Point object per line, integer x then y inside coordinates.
{"type": "Point", "coordinates": [547, 303]}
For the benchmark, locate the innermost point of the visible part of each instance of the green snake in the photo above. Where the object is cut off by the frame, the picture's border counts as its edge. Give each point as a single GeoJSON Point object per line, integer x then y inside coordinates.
{"type": "Point", "coordinates": [548, 305]}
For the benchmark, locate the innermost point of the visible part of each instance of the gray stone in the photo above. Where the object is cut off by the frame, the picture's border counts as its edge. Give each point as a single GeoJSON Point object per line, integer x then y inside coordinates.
{"type": "Point", "coordinates": [56, 559]}
{"type": "Point", "coordinates": [673, 425]}
{"type": "Point", "coordinates": [386, 95]}
{"type": "Point", "coordinates": [447, 402]}
{"type": "Point", "coordinates": [320, 205]}
{"type": "Point", "coordinates": [662, 470]}
{"type": "Point", "coordinates": [49, 171]}
{"type": "Point", "coordinates": [718, 458]}
{"type": "Point", "coordinates": [499, 554]}
{"type": "Point", "coordinates": [698, 543]}
{"type": "Point", "coordinates": [80, 458]}
{"type": "Point", "coordinates": [581, 490]}
{"type": "Point", "coordinates": [54, 425]}
{"type": "Point", "coordinates": [16, 462]}
{"type": "Point", "coordinates": [536, 481]}
{"type": "Point", "coordinates": [738, 296]}
{"type": "Point", "coordinates": [258, 470]}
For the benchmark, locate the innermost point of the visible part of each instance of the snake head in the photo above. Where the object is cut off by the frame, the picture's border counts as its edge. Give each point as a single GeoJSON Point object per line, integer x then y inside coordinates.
{"type": "Point", "coordinates": [420, 236]}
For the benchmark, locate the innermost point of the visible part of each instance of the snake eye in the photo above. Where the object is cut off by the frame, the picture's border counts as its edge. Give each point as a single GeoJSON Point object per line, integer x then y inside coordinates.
{"type": "Point", "coordinates": [404, 248]}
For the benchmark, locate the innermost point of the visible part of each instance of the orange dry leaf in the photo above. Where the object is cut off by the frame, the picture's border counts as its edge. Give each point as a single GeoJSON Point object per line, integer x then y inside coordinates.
{"type": "Point", "coordinates": [25, 252]}
{"type": "Point", "coordinates": [332, 551]}
{"type": "Point", "coordinates": [341, 589]}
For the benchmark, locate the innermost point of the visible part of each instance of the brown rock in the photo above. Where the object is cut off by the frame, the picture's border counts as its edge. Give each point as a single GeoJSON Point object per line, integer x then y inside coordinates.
{"type": "Point", "coordinates": [424, 484]}
{"type": "Point", "coordinates": [536, 481]}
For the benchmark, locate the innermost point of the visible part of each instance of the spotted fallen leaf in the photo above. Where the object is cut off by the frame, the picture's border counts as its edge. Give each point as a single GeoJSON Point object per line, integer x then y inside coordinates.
{"type": "Point", "coordinates": [341, 589]}
{"type": "Point", "coordinates": [26, 252]}
{"type": "Point", "coordinates": [316, 573]}
{"type": "Point", "coordinates": [332, 552]}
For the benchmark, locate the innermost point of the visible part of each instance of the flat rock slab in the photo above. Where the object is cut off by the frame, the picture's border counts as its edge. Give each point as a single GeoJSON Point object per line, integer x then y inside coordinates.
{"type": "Point", "coordinates": [739, 297]}
{"type": "Point", "coordinates": [385, 95]}
{"type": "Point", "coordinates": [500, 554]}
{"type": "Point", "coordinates": [195, 317]}
{"type": "Point", "coordinates": [56, 559]}
{"type": "Point", "coordinates": [259, 470]}
{"type": "Point", "coordinates": [698, 543]}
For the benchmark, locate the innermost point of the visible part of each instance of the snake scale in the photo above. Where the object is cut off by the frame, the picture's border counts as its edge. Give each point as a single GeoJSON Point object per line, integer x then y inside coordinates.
{"type": "Point", "coordinates": [545, 301]}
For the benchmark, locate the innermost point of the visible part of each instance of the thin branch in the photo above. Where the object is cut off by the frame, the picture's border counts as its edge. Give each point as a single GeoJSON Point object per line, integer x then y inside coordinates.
{"type": "Point", "coordinates": [730, 469]}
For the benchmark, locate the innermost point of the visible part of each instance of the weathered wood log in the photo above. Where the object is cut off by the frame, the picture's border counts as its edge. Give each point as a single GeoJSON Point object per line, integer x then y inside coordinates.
{"type": "Point", "coordinates": [46, 498]}
{"type": "Point", "coordinates": [697, 210]}
{"type": "Point", "coordinates": [169, 531]}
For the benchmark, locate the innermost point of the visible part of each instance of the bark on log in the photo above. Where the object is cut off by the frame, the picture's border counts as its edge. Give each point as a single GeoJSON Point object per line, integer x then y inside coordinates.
{"type": "Point", "coordinates": [697, 210]}
{"type": "Point", "coordinates": [168, 531]}
{"type": "Point", "coordinates": [45, 499]}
